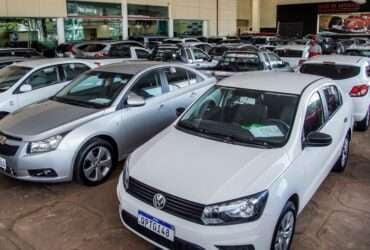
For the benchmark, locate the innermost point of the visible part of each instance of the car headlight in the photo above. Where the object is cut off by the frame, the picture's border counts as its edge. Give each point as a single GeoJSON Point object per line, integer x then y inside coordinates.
{"type": "Point", "coordinates": [46, 145]}
{"type": "Point", "coordinates": [236, 211]}
{"type": "Point", "coordinates": [126, 174]}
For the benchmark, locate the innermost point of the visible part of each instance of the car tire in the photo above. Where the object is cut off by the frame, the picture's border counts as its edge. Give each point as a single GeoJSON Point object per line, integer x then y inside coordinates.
{"type": "Point", "coordinates": [95, 162]}
{"type": "Point", "coordinates": [285, 227]}
{"type": "Point", "coordinates": [342, 162]}
{"type": "Point", "coordinates": [364, 124]}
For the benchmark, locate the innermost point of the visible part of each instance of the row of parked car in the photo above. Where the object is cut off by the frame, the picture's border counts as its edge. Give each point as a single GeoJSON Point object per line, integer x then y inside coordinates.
{"type": "Point", "coordinates": [215, 157]}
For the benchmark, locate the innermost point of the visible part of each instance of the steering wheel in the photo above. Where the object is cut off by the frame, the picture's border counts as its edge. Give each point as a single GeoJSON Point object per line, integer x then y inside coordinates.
{"type": "Point", "coordinates": [282, 124]}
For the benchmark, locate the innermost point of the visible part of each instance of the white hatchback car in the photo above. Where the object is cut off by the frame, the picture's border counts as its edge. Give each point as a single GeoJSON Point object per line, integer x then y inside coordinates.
{"type": "Point", "coordinates": [352, 73]}
{"type": "Point", "coordinates": [24, 83]}
{"type": "Point", "coordinates": [239, 165]}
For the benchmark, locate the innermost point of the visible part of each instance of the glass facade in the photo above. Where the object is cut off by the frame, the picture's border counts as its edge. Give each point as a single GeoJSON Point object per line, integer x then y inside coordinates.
{"type": "Point", "coordinates": [76, 8]}
{"type": "Point", "coordinates": [89, 29]}
{"type": "Point", "coordinates": [188, 28]}
{"type": "Point", "coordinates": [89, 21]}
{"type": "Point", "coordinates": [147, 20]}
{"type": "Point", "coordinates": [39, 33]}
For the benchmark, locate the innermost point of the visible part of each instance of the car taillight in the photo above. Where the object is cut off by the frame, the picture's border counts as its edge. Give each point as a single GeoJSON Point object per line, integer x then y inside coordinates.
{"type": "Point", "coordinates": [301, 62]}
{"type": "Point", "coordinates": [359, 90]}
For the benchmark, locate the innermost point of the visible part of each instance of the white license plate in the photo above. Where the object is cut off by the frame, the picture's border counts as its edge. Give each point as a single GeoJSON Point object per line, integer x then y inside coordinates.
{"type": "Point", "coordinates": [156, 225]}
{"type": "Point", "coordinates": [2, 164]}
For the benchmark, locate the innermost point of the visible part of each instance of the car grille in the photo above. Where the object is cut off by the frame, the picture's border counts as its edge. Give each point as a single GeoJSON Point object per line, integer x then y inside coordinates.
{"type": "Point", "coordinates": [185, 209]}
{"type": "Point", "coordinates": [8, 150]}
{"type": "Point", "coordinates": [177, 244]}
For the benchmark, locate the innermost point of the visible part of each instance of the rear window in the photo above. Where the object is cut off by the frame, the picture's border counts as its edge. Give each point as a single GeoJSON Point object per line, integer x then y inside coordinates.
{"type": "Point", "coordinates": [289, 53]}
{"type": "Point", "coordinates": [217, 51]}
{"type": "Point", "coordinates": [333, 71]}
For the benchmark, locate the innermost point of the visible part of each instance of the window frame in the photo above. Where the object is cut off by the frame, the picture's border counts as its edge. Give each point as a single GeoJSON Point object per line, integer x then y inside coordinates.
{"type": "Point", "coordinates": [324, 108]}
{"type": "Point", "coordinates": [63, 77]}
{"type": "Point", "coordinates": [327, 115]}
{"type": "Point", "coordinates": [26, 81]}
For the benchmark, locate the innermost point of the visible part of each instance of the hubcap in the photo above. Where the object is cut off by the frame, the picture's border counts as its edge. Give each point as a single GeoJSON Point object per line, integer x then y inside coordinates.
{"type": "Point", "coordinates": [97, 163]}
{"type": "Point", "coordinates": [345, 152]}
{"type": "Point", "coordinates": [285, 232]}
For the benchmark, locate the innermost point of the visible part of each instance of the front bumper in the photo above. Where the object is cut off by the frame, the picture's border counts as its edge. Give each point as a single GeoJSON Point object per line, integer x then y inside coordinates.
{"type": "Point", "coordinates": [254, 235]}
{"type": "Point", "coordinates": [20, 163]}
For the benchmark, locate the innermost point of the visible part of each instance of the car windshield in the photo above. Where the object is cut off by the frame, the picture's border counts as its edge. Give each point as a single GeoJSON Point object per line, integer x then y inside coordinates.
{"type": "Point", "coordinates": [333, 71]}
{"type": "Point", "coordinates": [11, 75]}
{"type": "Point", "coordinates": [95, 89]}
{"type": "Point", "coordinates": [242, 116]}
{"type": "Point", "coordinates": [240, 62]}
{"type": "Point", "coordinates": [289, 53]}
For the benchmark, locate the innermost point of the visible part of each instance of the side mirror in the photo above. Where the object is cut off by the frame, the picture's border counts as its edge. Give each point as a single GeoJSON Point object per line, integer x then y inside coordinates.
{"type": "Point", "coordinates": [317, 139]}
{"type": "Point", "coordinates": [179, 111]}
{"type": "Point", "coordinates": [135, 101]}
{"type": "Point", "coordinates": [25, 88]}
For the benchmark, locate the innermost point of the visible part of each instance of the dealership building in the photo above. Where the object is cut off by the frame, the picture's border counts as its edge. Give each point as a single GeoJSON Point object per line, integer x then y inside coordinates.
{"type": "Point", "coordinates": [57, 21]}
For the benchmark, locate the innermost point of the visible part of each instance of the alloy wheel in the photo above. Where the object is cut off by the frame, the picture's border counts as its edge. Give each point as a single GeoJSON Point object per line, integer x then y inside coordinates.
{"type": "Point", "coordinates": [345, 152]}
{"type": "Point", "coordinates": [97, 163]}
{"type": "Point", "coordinates": [285, 232]}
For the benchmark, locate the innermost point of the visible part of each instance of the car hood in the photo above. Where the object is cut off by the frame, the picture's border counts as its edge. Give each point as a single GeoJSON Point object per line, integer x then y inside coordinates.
{"type": "Point", "coordinates": [40, 120]}
{"type": "Point", "coordinates": [203, 170]}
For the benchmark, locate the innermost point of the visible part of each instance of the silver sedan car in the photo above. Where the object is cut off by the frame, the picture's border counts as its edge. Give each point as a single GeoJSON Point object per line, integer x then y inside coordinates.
{"type": "Point", "coordinates": [95, 121]}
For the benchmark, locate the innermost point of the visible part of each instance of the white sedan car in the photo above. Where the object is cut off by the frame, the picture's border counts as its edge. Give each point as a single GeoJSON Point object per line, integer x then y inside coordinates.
{"type": "Point", "coordinates": [28, 82]}
{"type": "Point", "coordinates": [239, 165]}
{"type": "Point", "coordinates": [352, 73]}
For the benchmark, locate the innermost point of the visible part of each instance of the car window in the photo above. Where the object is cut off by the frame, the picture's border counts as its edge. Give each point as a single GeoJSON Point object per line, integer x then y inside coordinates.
{"type": "Point", "coordinates": [72, 70]}
{"type": "Point", "coordinates": [11, 75]}
{"type": "Point", "coordinates": [333, 71]}
{"type": "Point", "coordinates": [275, 61]}
{"type": "Point", "coordinates": [333, 99]}
{"type": "Point", "coordinates": [289, 53]}
{"type": "Point", "coordinates": [44, 77]}
{"type": "Point", "coordinates": [142, 54]}
{"type": "Point", "coordinates": [194, 78]}
{"type": "Point", "coordinates": [148, 86]}
{"type": "Point", "coordinates": [177, 78]}
{"type": "Point", "coordinates": [92, 47]}
{"type": "Point", "coordinates": [98, 89]}
{"type": "Point", "coordinates": [120, 51]}
{"type": "Point", "coordinates": [314, 115]}
{"type": "Point", "coordinates": [199, 55]}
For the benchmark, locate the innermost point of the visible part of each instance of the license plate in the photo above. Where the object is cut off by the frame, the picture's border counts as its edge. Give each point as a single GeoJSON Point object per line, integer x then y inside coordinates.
{"type": "Point", "coordinates": [2, 164]}
{"type": "Point", "coordinates": [156, 225]}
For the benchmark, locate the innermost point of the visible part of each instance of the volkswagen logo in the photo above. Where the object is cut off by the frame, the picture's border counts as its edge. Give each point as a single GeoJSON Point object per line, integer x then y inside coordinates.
{"type": "Point", "coordinates": [159, 201]}
{"type": "Point", "coordinates": [3, 140]}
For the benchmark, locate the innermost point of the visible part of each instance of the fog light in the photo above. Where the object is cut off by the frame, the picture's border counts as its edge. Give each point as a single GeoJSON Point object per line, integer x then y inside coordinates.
{"type": "Point", "coordinates": [48, 172]}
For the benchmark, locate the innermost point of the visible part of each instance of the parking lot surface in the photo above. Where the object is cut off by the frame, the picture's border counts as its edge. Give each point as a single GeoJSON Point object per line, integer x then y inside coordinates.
{"type": "Point", "coordinates": [73, 217]}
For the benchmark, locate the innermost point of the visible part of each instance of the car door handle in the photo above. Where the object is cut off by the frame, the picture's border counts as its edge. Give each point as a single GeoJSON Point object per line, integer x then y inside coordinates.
{"type": "Point", "coordinates": [345, 120]}
{"type": "Point", "coordinates": [161, 106]}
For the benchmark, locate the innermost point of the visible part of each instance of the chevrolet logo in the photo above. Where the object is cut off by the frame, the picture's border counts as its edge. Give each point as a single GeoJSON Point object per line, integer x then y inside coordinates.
{"type": "Point", "coordinates": [3, 140]}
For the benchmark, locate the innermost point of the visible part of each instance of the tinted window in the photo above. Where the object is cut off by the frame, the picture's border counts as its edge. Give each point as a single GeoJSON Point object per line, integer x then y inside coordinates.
{"type": "Point", "coordinates": [199, 55]}
{"type": "Point", "coordinates": [72, 70]}
{"type": "Point", "coordinates": [120, 51]}
{"type": "Point", "coordinates": [148, 86]}
{"type": "Point", "coordinates": [177, 80]}
{"type": "Point", "coordinates": [218, 51]}
{"type": "Point", "coordinates": [142, 54]}
{"type": "Point", "coordinates": [289, 53]}
{"type": "Point", "coordinates": [44, 77]}
{"type": "Point", "coordinates": [240, 62]}
{"type": "Point", "coordinates": [314, 115]}
{"type": "Point", "coordinates": [333, 99]}
{"type": "Point", "coordinates": [92, 47]}
{"type": "Point", "coordinates": [333, 71]}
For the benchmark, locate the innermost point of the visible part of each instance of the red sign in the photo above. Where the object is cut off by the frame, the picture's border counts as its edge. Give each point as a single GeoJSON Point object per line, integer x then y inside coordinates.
{"type": "Point", "coordinates": [338, 7]}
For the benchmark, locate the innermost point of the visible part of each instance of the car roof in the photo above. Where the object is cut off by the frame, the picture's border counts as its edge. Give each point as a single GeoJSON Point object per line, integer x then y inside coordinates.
{"type": "Point", "coordinates": [129, 67]}
{"type": "Point", "coordinates": [281, 82]}
{"type": "Point", "coordinates": [49, 61]}
{"type": "Point", "coordinates": [292, 47]}
{"type": "Point", "coordinates": [360, 48]}
{"type": "Point", "coordinates": [340, 59]}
